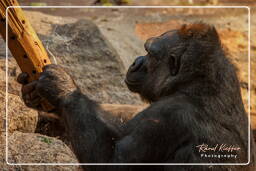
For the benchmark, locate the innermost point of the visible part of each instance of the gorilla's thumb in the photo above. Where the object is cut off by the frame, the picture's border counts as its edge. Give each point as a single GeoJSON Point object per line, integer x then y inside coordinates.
{"type": "Point", "coordinates": [23, 78]}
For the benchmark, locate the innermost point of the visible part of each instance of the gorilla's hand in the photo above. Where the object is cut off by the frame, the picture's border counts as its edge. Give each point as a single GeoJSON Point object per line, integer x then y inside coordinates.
{"type": "Point", "coordinates": [54, 84]}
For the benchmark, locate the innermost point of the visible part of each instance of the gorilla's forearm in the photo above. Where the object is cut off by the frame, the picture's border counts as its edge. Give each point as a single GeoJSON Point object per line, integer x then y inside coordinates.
{"type": "Point", "coordinates": [96, 140]}
{"type": "Point", "coordinates": [92, 139]}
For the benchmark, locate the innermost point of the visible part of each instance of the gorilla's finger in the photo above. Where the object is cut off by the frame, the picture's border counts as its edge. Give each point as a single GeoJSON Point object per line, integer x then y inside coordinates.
{"type": "Point", "coordinates": [43, 90]}
{"type": "Point", "coordinates": [50, 67]}
{"type": "Point", "coordinates": [34, 94]}
{"type": "Point", "coordinates": [23, 78]}
{"type": "Point", "coordinates": [27, 89]}
{"type": "Point", "coordinates": [26, 98]}
{"type": "Point", "coordinates": [36, 102]}
{"type": "Point", "coordinates": [31, 105]}
{"type": "Point", "coordinates": [46, 76]}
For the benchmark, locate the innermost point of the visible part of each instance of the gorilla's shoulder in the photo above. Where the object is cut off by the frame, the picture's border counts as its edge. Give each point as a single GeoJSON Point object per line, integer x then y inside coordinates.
{"type": "Point", "coordinates": [175, 106]}
{"type": "Point", "coordinates": [176, 102]}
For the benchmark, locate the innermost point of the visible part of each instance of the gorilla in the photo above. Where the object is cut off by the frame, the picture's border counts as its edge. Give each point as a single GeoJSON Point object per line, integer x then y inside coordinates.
{"type": "Point", "coordinates": [196, 114]}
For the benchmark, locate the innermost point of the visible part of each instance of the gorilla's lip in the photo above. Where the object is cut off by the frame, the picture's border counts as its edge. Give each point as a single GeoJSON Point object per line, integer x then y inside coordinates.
{"type": "Point", "coordinates": [133, 86]}
{"type": "Point", "coordinates": [131, 82]}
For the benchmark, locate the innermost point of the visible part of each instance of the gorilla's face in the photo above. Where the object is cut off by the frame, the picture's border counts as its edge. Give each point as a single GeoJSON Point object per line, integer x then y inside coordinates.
{"type": "Point", "coordinates": [149, 74]}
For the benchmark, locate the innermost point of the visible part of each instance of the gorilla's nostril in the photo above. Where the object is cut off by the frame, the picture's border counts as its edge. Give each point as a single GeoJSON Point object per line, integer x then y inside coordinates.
{"type": "Point", "coordinates": [137, 63]}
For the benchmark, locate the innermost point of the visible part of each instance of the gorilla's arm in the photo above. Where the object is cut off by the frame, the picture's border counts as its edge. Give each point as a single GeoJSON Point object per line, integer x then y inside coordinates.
{"type": "Point", "coordinates": [95, 136]}
{"type": "Point", "coordinates": [96, 141]}
{"type": "Point", "coordinates": [91, 137]}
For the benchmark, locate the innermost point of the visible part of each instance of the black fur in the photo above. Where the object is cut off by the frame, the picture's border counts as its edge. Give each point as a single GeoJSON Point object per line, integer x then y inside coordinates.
{"type": "Point", "coordinates": [195, 99]}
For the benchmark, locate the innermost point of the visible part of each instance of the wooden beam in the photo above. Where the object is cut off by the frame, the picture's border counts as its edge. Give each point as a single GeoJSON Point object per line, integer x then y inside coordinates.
{"type": "Point", "coordinates": [23, 42]}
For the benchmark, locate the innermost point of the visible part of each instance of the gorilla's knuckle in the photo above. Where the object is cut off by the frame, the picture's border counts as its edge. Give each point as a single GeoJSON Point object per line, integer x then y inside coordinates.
{"type": "Point", "coordinates": [41, 87]}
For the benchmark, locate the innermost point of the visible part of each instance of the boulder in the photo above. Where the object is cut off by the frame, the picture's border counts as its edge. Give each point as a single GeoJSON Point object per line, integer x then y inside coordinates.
{"type": "Point", "coordinates": [20, 117]}
{"type": "Point", "coordinates": [36, 148]}
{"type": "Point", "coordinates": [91, 60]}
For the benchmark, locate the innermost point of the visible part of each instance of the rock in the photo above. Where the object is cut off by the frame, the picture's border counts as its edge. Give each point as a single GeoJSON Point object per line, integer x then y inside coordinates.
{"type": "Point", "coordinates": [36, 148]}
{"type": "Point", "coordinates": [3, 164]}
{"type": "Point", "coordinates": [120, 33]}
{"type": "Point", "coordinates": [91, 60]}
{"type": "Point", "coordinates": [42, 23]}
{"type": "Point", "coordinates": [20, 117]}
{"type": "Point", "coordinates": [148, 30]}
{"type": "Point", "coordinates": [13, 71]}
{"type": "Point", "coordinates": [2, 151]}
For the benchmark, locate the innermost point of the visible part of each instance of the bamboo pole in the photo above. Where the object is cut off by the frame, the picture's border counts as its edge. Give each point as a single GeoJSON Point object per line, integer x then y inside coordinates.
{"type": "Point", "coordinates": [23, 42]}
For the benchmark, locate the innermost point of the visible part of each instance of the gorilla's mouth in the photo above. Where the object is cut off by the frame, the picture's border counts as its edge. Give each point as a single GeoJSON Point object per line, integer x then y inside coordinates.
{"type": "Point", "coordinates": [132, 85]}
{"type": "Point", "coordinates": [132, 82]}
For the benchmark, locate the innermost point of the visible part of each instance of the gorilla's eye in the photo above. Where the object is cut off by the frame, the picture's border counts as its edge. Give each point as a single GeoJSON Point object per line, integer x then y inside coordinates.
{"type": "Point", "coordinates": [151, 54]}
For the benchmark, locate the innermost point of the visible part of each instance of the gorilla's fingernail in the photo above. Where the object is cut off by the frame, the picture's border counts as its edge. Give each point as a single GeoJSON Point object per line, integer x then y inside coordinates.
{"type": "Point", "coordinates": [23, 78]}
{"type": "Point", "coordinates": [41, 77]}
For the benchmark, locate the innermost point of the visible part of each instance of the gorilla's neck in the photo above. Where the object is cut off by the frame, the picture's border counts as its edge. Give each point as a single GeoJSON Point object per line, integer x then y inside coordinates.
{"type": "Point", "coordinates": [216, 85]}
{"type": "Point", "coordinates": [213, 77]}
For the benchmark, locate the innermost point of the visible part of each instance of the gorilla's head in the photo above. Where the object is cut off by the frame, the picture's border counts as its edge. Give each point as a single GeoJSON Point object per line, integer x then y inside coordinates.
{"type": "Point", "coordinates": [177, 60]}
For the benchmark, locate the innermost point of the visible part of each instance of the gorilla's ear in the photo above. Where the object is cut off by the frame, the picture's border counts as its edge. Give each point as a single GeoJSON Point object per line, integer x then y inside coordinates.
{"type": "Point", "coordinates": [200, 39]}
{"type": "Point", "coordinates": [199, 31]}
{"type": "Point", "coordinates": [174, 63]}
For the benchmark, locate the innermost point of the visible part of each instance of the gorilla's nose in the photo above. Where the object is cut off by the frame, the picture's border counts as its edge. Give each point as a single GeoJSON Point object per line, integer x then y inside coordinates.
{"type": "Point", "coordinates": [137, 63]}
